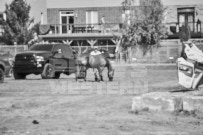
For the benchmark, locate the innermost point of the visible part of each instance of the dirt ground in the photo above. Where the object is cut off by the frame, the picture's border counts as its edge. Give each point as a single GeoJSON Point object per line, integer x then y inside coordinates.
{"type": "Point", "coordinates": [65, 107]}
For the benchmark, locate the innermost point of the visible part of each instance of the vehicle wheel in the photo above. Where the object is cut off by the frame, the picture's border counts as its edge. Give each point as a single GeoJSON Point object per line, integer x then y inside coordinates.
{"type": "Point", "coordinates": [48, 72]}
{"type": "Point", "coordinates": [18, 75]}
{"type": "Point", "coordinates": [57, 75]}
{"type": "Point", "coordinates": [1, 75]}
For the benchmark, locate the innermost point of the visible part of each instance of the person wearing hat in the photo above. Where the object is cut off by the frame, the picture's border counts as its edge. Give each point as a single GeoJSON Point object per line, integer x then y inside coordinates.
{"type": "Point", "coordinates": [95, 51]}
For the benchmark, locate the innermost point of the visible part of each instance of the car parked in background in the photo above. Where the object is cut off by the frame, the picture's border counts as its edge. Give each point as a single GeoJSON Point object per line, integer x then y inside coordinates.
{"type": "Point", "coordinates": [49, 60]}
{"type": "Point", "coordinates": [6, 60]}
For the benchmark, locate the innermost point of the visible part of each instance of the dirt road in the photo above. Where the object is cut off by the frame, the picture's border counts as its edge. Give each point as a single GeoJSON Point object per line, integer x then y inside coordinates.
{"type": "Point", "coordinates": [64, 107]}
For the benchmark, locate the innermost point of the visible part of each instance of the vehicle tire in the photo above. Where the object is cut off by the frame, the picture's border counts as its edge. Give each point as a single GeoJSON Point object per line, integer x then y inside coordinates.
{"type": "Point", "coordinates": [1, 75]}
{"type": "Point", "coordinates": [57, 75]}
{"type": "Point", "coordinates": [48, 71]}
{"type": "Point", "coordinates": [18, 75]}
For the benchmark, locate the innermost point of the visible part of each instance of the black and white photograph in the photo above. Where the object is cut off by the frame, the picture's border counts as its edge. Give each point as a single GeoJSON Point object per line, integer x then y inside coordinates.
{"type": "Point", "coordinates": [101, 67]}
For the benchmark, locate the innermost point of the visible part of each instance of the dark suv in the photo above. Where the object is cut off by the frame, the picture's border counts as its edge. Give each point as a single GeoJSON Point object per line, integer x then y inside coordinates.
{"type": "Point", "coordinates": [49, 60]}
{"type": "Point", "coordinates": [5, 65]}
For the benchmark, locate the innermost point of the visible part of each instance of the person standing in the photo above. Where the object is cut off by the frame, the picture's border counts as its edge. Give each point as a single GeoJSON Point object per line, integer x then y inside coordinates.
{"type": "Point", "coordinates": [103, 24]}
{"type": "Point", "coordinates": [184, 36]}
{"type": "Point", "coordinates": [95, 51]}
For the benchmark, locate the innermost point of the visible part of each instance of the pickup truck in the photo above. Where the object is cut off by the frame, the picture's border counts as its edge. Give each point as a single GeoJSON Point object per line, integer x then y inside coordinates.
{"type": "Point", "coordinates": [49, 60]}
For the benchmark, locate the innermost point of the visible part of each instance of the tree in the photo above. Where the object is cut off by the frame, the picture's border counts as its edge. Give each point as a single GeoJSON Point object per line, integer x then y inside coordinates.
{"type": "Point", "coordinates": [145, 28]}
{"type": "Point", "coordinates": [17, 26]}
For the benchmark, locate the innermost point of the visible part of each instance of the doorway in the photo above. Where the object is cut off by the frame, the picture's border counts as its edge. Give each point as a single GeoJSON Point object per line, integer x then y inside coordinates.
{"type": "Point", "coordinates": [187, 16]}
{"type": "Point", "coordinates": [66, 22]}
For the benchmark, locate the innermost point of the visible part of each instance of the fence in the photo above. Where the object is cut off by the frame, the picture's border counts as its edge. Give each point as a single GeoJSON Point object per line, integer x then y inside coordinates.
{"type": "Point", "coordinates": [13, 50]}
{"type": "Point", "coordinates": [168, 51]}
{"type": "Point", "coordinates": [79, 28]}
{"type": "Point", "coordinates": [110, 48]}
{"type": "Point", "coordinates": [173, 28]}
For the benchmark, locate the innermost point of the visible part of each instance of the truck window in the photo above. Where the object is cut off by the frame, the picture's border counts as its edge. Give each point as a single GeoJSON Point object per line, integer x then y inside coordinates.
{"type": "Point", "coordinates": [56, 48]}
{"type": "Point", "coordinates": [41, 48]}
{"type": "Point", "coordinates": [67, 52]}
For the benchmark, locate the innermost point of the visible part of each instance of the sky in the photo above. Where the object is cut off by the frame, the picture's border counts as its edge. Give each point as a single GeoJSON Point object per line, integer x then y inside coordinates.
{"type": "Point", "coordinates": [38, 6]}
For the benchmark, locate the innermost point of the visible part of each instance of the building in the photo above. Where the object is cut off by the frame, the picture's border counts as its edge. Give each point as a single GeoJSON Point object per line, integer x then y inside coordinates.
{"type": "Point", "coordinates": [192, 14]}
{"type": "Point", "coordinates": [79, 22]}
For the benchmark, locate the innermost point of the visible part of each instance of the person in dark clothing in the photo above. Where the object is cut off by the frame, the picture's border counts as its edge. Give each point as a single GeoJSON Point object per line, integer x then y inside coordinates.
{"type": "Point", "coordinates": [184, 36]}
{"type": "Point", "coordinates": [103, 24]}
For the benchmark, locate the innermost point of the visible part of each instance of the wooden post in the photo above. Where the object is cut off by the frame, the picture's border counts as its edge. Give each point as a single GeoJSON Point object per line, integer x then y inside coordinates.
{"type": "Point", "coordinates": [80, 47]}
{"type": "Point", "coordinates": [92, 42]}
{"type": "Point", "coordinates": [68, 42]}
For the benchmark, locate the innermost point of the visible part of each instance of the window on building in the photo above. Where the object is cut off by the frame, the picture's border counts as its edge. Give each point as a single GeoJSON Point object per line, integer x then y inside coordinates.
{"type": "Point", "coordinates": [187, 16]}
{"type": "Point", "coordinates": [92, 17]}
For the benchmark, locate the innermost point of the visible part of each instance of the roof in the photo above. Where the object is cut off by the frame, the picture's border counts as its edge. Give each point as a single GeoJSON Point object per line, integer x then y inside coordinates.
{"type": "Point", "coordinates": [109, 3]}
{"type": "Point", "coordinates": [84, 3]}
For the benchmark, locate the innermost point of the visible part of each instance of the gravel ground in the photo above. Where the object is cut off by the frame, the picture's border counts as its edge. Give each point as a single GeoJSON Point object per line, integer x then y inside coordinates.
{"type": "Point", "coordinates": [65, 107]}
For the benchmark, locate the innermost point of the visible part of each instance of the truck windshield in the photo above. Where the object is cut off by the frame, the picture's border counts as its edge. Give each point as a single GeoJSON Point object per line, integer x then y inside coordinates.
{"type": "Point", "coordinates": [41, 48]}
